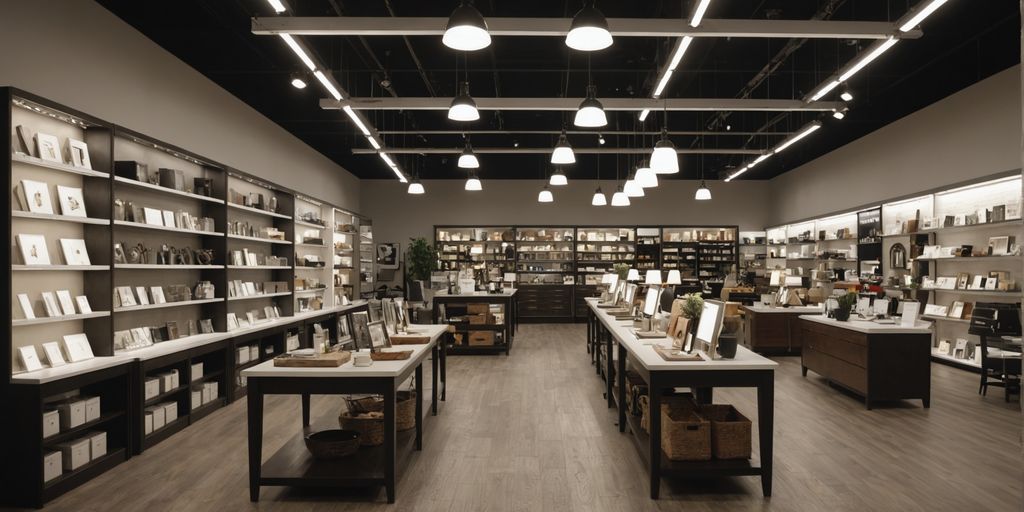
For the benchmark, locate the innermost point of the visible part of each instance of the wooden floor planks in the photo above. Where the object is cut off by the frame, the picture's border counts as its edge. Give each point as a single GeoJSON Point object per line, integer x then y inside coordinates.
{"type": "Point", "coordinates": [532, 432]}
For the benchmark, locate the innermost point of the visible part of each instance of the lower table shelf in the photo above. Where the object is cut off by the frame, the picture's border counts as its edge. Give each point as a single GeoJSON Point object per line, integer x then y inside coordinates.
{"type": "Point", "coordinates": [70, 480]}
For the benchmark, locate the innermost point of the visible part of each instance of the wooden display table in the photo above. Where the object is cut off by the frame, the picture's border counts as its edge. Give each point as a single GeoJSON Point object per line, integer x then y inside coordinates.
{"type": "Point", "coordinates": [877, 361]}
{"type": "Point", "coordinates": [774, 329]}
{"type": "Point", "coordinates": [747, 370]}
{"type": "Point", "coordinates": [293, 465]}
{"type": "Point", "coordinates": [508, 301]}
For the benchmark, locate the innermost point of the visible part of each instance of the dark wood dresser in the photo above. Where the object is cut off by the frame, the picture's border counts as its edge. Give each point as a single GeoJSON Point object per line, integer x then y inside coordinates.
{"type": "Point", "coordinates": [774, 330]}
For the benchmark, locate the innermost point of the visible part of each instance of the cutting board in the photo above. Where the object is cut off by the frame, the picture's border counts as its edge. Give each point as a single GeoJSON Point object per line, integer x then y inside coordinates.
{"type": "Point", "coordinates": [328, 360]}
{"type": "Point", "coordinates": [409, 340]}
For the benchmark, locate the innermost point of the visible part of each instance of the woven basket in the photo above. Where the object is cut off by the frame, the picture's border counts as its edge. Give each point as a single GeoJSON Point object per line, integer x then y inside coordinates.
{"type": "Point", "coordinates": [333, 444]}
{"type": "Point", "coordinates": [365, 415]}
{"type": "Point", "coordinates": [684, 434]}
{"type": "Point", "coordinates": [730, 431]}
{"type": "Point", "coordinates": [370, 426]}
{"type": "Point", "coordinates": [635, 388]}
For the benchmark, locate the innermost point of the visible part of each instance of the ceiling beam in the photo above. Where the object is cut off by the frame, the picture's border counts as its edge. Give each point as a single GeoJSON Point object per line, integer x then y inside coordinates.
{"type": "Point", "coordinates": [547, 151]}
{"type": "Point", "coordinates": [572, 104]}
{"type": "Point", "coordinates": [559, 27]}
{"type": "Point", "coordinates": [575, 132]}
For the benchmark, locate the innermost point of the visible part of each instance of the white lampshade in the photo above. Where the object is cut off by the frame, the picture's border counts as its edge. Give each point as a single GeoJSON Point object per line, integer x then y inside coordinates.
{"type": "Point", "coordinates": [619, 198]}
{"type": "Point", "coordinates": [468, 160]}
{"type": "Point", "coordinates": [463, 108]}
{"type": "Point", "coordinates": [607, 278]}
{"type": "Point", "coordinates": [473, 183]}
{"type": "Point", "coordinates": [703, 192]}
{"type": "Point", "coordinates": [645, 176]}
{"type": "Point", "coordinates": [558, 178]}
{"type": "Point", "coordinates": [590, 114]}
{"type": "Point", "coordinates": [589, 31]}
{"type": "Point", "coordinates": [653, 277]}
{"type": "Point", "coordinates": [466, 30]}
{"type": "Point", "coordinates": [545, 195]}
{"type": "Point", "coordinates": [664, 159]}
{"type": "Point", "coordinates": [674, 277]}
{"type": "Point", "coordinates": [415, 187]}
{"type": "Point", "coordinates": [633, 189]}
{"type": "Point", "coordinates": [562, 153]}
{"type": "Point", "coordinates": [634, 275]}
{"type": "Point", "coordinates": [599, 198]}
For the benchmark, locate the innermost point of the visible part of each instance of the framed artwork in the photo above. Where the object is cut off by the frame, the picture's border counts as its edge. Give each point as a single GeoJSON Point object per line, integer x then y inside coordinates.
{"type": "Point", "coordinates": [153, 217]}
{"type": "Point", "coordinates": [29, 358]}
{"type": "Point", "coordinates": [48, 147]}
{"type": "Point", "coordinates": [122, 340]}
{"type": "Point", "coordinates": [934, 310]}
{"type": "Point", "coordinates": [192, 328]}
{"type": "Point", "coordinates": [344, 330]}
{"type": "Point", "coordinates": [169, 219]}
{"type": "Point", "coordinates": [25, 140]}
{"type": "Point", "coordinates": [378, 336]}
{"type": "Point", "coordinates": [36, 197]}
{"type": "Point", "coordinates": [50, 303]}
{"type": "Point", "coordinates": [957, 310]}
{"type": "Point", "coordinates": [206, 326]}
{"type": "Point", "coordinates": [962, 280]}
{"type": "Point", "coordinates": [83, 304]}
{"type": "Point", "coordinates": [158, 294]}
{"type": "Point", "coordinates": [77, 347]}
{"type": "Point", "coordinates": [72, 204]}
{"type": "Point", "coordinates": [26, 306]}
{"type": "Point", "coordinates": [53, 354]}
{"type": "Point", "coordinates": [361, 330]}
{"type": "Point", "coordinates": [74, 251]}
{"type": "Point", "coordinates": [78, 153]}
{"type": "Point", "coordinates": [172, 331]}
{"type": "Point", "coordinates": [999, 245]}
{"type": "Point", "coordinates": [143, 296]}
{"type": "Point", "coordinates": [33, 249]}
{"type": "Point", "coordinates": [66, 304]}
{"type": "Point", "coordinates": [387, 255]}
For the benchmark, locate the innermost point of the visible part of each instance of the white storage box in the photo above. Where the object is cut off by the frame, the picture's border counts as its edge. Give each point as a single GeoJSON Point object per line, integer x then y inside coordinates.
{"type": "Point", "coordinates": [157, 414]}
{"type": "Point", "coordinates": [92, 408]}
{"type": "Point", "coordinates": [97, 444]}
{"type": "Point", "coordinates": [170, 412]}
{"type": "Point", "coordinates": [53, 466]}
{"type": "Point", "coordinates": [197, 371]}
{"type": "Point", "coordinates": [254, 353]}
{"type": "Point", "coordinates": [147, 423]}
{"type": "Point", "coordinates": [152, 387]}
{"type": "Point", "coordinates": [75, 453]}
{"type": "Point", "coordinates": [51, 423]}
{"type": "Point", "coordinates": [72, 414]}
{"type": "Point", "coordinates": [243, 355]}
{"type": "Point", "coordinates": [207, 396]}
{"type": "Point", "coordinates": [197, 398]}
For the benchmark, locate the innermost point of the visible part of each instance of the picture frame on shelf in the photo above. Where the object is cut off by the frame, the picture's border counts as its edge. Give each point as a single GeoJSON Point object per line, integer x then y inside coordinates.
{"type": "Point", "coordinates": [125, 297]}
{"type": "Point", "coordinates": [172, 330]}
{"type": "Point", "coordinates": [48, 147]}
{"type": "Point", "coordinates": [168, 220]}
{"type": "Point", "coordinates": [26, 140]}
{"type": "Point", "coordinates": [33, 250]}
{"type": "Point", "coordinates": [77, 347]}
{"type": "Point", "coordinates": [67, 305]}
{"type": "Point", "coordinates": [962, 280]}
{"type": "Point", "coordinates": [935, 310]}
{"type": "Point", "coordinates": [378, 335]}
{"type": "Point", "coordinates": [71, 201]}
{"type": "Point", "coordinates": [153, 216]}
{"type": "Point", "coordinates": [192, 328]}
{"type": "Point", "coordinates": [78, 154]}
{"type": "Point", "coordinates": [29, 358]}
{"type": "Point", "coordinates": [206, 326]}
{"type": "Point", "coordinates": [957, 309]}
{"type": "Point", "coordinates": [140, 291]}
{"type": "Point", "coordinates": [34, 197]}
{"type": "Point", "coordinates": [51, 305]}
{"type": "Point", "coordinates": [26, 306]}
{"type": "Point", "coordinates": [83, 304]}
{"type": "Point", "coordinates": [158, 294]}
{"type": "Point", "coordinates": [122, 340]}
{"type": "Point", "coordinates": [75, 252]}
{"type": "Point", "coordinates": [999, 245]}
{"type": "Point", "coordinates": [54, 357]}
{"type": "Point", "coordinates": [943, 347]}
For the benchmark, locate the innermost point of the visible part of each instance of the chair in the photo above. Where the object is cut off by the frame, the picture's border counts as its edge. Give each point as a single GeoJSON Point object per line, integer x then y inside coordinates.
{"type": "Point", "coordinates": [999, 367]}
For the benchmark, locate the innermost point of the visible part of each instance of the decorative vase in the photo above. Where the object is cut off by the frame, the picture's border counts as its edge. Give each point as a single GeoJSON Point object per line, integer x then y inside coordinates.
{"type": "Point", "coordinates": [842, 314]}
{"type": "Point", "coordinates": [727, 347]}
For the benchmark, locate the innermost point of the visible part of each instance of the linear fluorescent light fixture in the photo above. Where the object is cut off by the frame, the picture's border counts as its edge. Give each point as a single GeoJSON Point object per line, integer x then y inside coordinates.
{"type": "Point", "coordinates": [678, 55]}
{"type": "Point", "coordinates": [355, 119]}
{"type": "Point", "coordinates": [809, 129]}
{"type": "Point", "coordinates": [864, 61]}
{"type": "Point", "coordinates": [825, 90]}
{"type": "Point", "coordinates": [387, 159]}
{"type": "Point", "coordinates": [327, 84]}
{"type": "Point", "coordinates": [279, 7]}
{"type": "Point", "coordinates": [662, 83]}
{"type": "Point", "coordinates": [698, 13]}
{"type": "Point", "coordinates": [739, 171]}
{"type": "Point", "coordinates": [373, 142]}
{"type": "Point", "coordinates": [298, 51]}
{"type": "Point", "coordinates": [921, 14]}
{"type": "Point", "coordinates": [644, 113]}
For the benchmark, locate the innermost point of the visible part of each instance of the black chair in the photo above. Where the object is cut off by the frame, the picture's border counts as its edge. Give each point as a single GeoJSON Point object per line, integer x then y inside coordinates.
{"type": "Point", "coordinates": [1000, 367]}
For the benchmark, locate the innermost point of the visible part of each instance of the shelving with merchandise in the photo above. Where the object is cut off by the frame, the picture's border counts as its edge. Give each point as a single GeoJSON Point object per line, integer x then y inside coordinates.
{"type": "Point", "coordinates": [367, 258]}
{"type": "Point", "coordinates": [343, 263]}
{"type": "Point", "coordinates": [648, 248]}
{"type": "Point", "coordinates": [544, 255]}
{"type": "Point", "coordinates": [753, 252]}
{"type": "Point", "coordinates": [600, 248]}
{"type": "Point", "coordinates": [704, 253]}
{"type": "Point", "coordinates": [313, 279]}
{"type": "Point", "coordinates": [484, 249]}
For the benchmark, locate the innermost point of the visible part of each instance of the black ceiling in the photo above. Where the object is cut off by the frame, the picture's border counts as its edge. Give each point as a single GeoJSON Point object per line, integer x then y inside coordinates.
{"type": "Point", "coordinates": [964, 41]}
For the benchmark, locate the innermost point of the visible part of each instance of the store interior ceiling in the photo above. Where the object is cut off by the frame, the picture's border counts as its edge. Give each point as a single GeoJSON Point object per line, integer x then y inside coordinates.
{"type": "Point", "coordinates": [963, 42]}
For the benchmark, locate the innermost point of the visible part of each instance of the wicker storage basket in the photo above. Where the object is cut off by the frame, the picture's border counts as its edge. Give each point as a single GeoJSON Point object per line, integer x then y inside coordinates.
{"type": "Point", "coordinates": [683, 401]}
{"type": "Point", "coordinates": [684, 434]}
{"type": "Point", "coordinates": [635, 388]}
{"type": "Point", "coordinates": [730, 431]}
{"type": "Point", "coordinates": [365, 416]}
{"type": "Point", "coordinates": [333, 444]}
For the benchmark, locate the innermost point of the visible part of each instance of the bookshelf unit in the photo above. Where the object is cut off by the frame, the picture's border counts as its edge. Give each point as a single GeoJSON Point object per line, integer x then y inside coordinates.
{"type": "Point", "coordinates": [367, 258]}
{"type": "Point", "coordinates": [313, 280]}
{"type": "Point", "coordinates": [345, 256]}
{"type": "Point", "coordinates": [545, 273]}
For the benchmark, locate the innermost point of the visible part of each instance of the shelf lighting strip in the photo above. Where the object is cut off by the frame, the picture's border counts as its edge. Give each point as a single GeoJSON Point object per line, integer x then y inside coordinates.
{"type": "Point", "coordinates": [336, 91]}
{"type": "Point", "coordinates": [787, 142]}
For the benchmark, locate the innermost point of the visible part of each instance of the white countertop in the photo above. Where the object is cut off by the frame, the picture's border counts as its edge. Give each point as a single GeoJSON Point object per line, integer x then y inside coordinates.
{"type": "Point", "coordinates": [869, 327]}
{"type": "Point", "coordinates": [377, 369]}
{"type": "Point", "coordinates": [643, 350]}
{"type": "Point", "coordinates": [163, 348]}
{"type": "Point", "coordinates": [504, 293]}
{"type": "Point", "coordinates": [806, 310]}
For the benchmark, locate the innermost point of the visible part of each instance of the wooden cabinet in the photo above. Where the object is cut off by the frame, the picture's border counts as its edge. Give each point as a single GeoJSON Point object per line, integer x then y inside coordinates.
{"type": "Point", "coordinates": [545, 303]}
{"type": "Point", "coordinates": [878, 366]}
{"type": "Point", "coordinates": [775, 330]}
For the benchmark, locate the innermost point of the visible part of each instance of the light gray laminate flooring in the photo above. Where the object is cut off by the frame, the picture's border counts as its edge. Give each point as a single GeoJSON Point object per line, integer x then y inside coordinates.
{"type": "Point", "coordinates": [531, 431]}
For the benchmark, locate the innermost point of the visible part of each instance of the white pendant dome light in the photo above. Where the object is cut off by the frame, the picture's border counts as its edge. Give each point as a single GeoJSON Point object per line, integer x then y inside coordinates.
{"type": "Point", "coordinates": [619, 198]}
{"type": "Point", "coordinates": [703, 192]}
{"type": "Point", "coordinates": [545, 195]}
{"type": "Point", "coordinates": [468, 160]}
{"type": "Point", "coordinates": [599, 198]}
{"type": "Point", "coordinates": [466, 30]}
{"type": "Point", "coordinates": [590, 113]}
{"type": "Point", "coordinates": [473, 182]}
{"type": "Point", "coordinates": [664, 159]}
{"type": "Point", "coordinates": [562, 154]}
{"type": "Point", "coordinates": [415, 187]}
{"type": "Point", "coordinates": [645, 176]}
{"type": "Point", "coordinates": [463, 108]}
{"type": "Point", "coordinates": [558, 178]}
{"type": "Point", "coordinates": [589, 30]}
{"type": "Point", "coordinates": [632, 188]}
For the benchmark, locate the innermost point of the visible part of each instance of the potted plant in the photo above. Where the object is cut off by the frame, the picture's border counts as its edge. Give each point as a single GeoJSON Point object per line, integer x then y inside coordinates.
{"type": "Point", "coordinates": [622, 269]}
{"type": "Point", "coordinates": [420, 260]}
{"type": "Point", "coordinates": [846, 304]}
{"type": "Point", "coordinates": [693, 306]}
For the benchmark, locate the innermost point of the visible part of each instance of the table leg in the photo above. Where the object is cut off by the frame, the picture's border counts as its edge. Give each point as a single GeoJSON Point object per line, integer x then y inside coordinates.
{"type": "Point", "coordinates": [608, 370]}
{"type": "Point", "coordinates": [444, 371]}
{"type": "Point", "coordinates": [255, 413]}
{"type": "Point", "coordinates": [434, 354]}
{"type": "Point", "coordinates": [419, 406]}
{"type": "Point", "coordinates": [389, 440]}
{"type": "Point", "coordinates": [654, 424]}
{"type": "Point", "coordinates": [621, 378]}
{"type": "Point", "coordinates": [765, 428]}
{"type": "Point", "coordinates": [703, 396]}
{"type": "Point", "coordinates": [305, 410]}
{"type": "Point", "coordinates": [590, 329]}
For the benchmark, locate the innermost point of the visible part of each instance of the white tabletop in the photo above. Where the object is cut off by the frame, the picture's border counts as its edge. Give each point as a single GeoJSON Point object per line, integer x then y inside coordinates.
{"type": "Point", "coordinates": [377, 369]}
{"type": "Point", "coordinates": [869, 327]}
{"type": "Point", "coordinates": [503, 293]}
{"type": "Point", "coordinates": [805, 310]}
{"type": "Point", "coordinates": [164, 348]}
{"type": "Point", "coordinates": [642, 350]}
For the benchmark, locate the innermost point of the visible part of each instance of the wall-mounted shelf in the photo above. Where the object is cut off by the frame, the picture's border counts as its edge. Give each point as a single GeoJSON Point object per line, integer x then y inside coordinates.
{"type": "Point", "coordinates": [258, 211]}
{"type": "Point", "coordinates": [22, 158]}
{"type": "Point", "coordinates": [166, 190]}
{"type": "Point", "coordinates": [139, 225]}
{"type": "Point", "coordinates": [59, 218]}
{"type": "Point", "coordinates": [55, 319]}
{"type": "Point", "coordinates": [177, 304]}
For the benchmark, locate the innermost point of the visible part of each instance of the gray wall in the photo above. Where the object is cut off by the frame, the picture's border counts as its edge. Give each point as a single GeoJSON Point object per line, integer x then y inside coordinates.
{"type": "Point", "coordinates": [79, 54]}
{"type": "Point", "coordinates": [973, 133]}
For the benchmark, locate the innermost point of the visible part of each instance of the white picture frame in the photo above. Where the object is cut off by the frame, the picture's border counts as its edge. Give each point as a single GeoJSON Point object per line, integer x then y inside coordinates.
{"type": "Point", "coordinates": [83, 304]}
{"type": "Point", "coordinates": [77, 347]}
{"type": "Point", "coordinates": [153, 216]}
{"type": "Point", "coordinates": [935, 310]}
{"type": "Point", "coordinates": [33, 250]}
{"type": "Point", "coordinates": [36, 196]}
{"type": "Point", "coordinates": [125, 296]}
{"type": "Point", "coordinates": [158, 294]}
{"type": "Point", "coordinates": [957, 309]}
{"type": "Point", "coordinates": [54, 356]}
{"type": "Point", "coordinates": [67, 305]}
{"type": "Point", "coordinates": [143, 297]}
{"type": "Point", "coordinates": [29, 358]}
{"type": "Point", "coordinates": [74, 251]}
{"type": "Point", "coordinates": [169, 219]}
{"type": "Point", "coordinates": [26, 306]}
{"type": "Point", "coordinates": [78, 154]}
{"type": "Point", "coordinates": [72, 203]}
{"type": "Point", "coordinates": [51, 305]}
{"type": "Point", "coordinates": [48, 147]}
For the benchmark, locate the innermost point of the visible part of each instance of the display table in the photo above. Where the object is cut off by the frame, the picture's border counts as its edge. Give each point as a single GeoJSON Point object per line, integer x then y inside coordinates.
{"type": "Point", "coordinates": [774, 329]}
{"type": "Point", "coordinates": [292, 465]}
{"type": "Point", "coordinates": [506, 299]}
{"type": "Point", "coordinates": [747, 369]}
{"type": "Point", "coordinates": [877, 361]}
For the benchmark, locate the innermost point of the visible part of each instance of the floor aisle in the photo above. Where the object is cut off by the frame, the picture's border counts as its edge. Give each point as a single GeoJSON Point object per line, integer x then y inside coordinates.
{"type": "Point", "coordinates": [532, 432]}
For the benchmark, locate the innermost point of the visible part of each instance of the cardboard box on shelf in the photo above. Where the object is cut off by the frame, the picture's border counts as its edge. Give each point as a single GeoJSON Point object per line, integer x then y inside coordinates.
{"type": "Point", "coordinates": [477, 308]}
{"type": "Point", "coordinates": [72, 413]}
{"type": "Point", "coordinates": [481, 338]}
{"type": "Point", "coordinates": [197, 371]}
{"type": "Point", "coordinates": [53, 466]}
{"type": "Point", "coordinates": [97, 444]}
{"type": "Point", "coordinates": [51, 423]}
{"type": "Point", "coordinates": [75, 453]}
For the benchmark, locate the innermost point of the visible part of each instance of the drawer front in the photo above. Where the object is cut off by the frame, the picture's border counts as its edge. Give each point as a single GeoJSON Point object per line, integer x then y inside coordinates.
{"type": "Point", "coordinates": [834, 332]}
{"type": "Point", "coordinates": [836, 370]}
{"type": "Point", "coordinates": [769, 330]}
{"type": "Point", "coordinates": [853, 354]}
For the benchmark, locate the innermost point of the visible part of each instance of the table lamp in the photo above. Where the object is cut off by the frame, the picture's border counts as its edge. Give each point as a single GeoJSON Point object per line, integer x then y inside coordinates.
{"type": "Point", "coordinates": [633, 275]}
{"type": "Point", "coordinates": [674, 278]}
{"type": "Point", "coordinates": [653, 278]}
